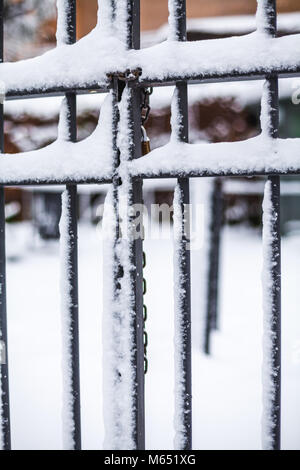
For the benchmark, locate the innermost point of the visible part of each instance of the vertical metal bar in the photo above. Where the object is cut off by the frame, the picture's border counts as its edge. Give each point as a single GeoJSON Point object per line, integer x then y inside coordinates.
{"type": "Point", "coordinates": [128, 190]}
{"type": "Point", "coordinates": [134, 24]}
{"type": "Point", "coordinates": [125, 424]}
{"type": "Point", "coordinates": [272, 410]}
{"type": "Point", "coordinates": [272, 359]}
{"type": "Point", "coordinates": [136, 194]}
{"type": "Point", "coordinates": [178, 12]}
{"type": "Point", "coordinates": [137, 262]}
{"type": "Point", "coordinates": [4, 384]}
{"type": "Point", "coordinates": [71, 190]}
{"type": "Point", "coordinates": [272, 387]}
{"type": "Point", "coordinates": [216, 213]}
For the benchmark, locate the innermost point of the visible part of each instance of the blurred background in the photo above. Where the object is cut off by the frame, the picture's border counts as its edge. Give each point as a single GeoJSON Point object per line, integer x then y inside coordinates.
{"type": "Point", "coordinates": [218, 112]}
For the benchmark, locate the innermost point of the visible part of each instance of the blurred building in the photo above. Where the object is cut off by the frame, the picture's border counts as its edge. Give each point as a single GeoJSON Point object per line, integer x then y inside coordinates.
{"type": "Point", "coordinates": [154, 13]}
{"type": "Point", "coordinates": [225, 112]}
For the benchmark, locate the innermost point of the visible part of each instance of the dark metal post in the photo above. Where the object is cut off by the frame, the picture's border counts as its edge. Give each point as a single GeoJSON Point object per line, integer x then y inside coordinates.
{"type": "Point", "coordinates": [134, 24]}
{"type": "Point", "coordinates": [273, 419]}
{"type": "Point", "coordinates": [4, 384]}
{"type": "Point", "coordinates": [132, 192]}
{"type": "Point", "coordinates": [71, 190]}
{"type": "Point", "coordinates": [136, 190]}
{"type": "Point", "coordinates": [216, 216]}
{"type": "Point", "coordinates": [275, 333]}
{"type": "Point", "coordinates": [137, 261]}
{"type": "Point", "coordinates": [179, 15]}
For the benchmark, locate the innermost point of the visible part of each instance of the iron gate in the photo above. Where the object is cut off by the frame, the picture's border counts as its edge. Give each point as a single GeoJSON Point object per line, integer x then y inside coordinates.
{"type": "Point", "coordinates": [133, 83]}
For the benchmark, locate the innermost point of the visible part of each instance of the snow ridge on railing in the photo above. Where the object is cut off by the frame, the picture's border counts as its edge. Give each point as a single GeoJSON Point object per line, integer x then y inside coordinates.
{"type": "Point", "coordinates": [63, 160]}
{"type": "Point", "coordinates": [88, 62]}
{"type": "Point", "coordinates": [256, 155]}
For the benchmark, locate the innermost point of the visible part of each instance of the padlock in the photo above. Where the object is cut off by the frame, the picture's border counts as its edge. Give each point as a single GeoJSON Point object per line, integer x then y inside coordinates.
{"type": "Point", "coordinates": [145, 142]}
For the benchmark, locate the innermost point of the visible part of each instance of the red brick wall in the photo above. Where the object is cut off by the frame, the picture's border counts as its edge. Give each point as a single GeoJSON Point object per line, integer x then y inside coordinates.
{"type": "Point", "coordinates": [86, 16]}
{"type": "Point", "coordinates": [155, 12]}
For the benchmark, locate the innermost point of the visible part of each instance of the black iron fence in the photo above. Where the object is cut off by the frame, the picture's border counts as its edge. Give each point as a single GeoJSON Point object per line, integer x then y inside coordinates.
{"type": "Point", "coordinates": [133, 83]}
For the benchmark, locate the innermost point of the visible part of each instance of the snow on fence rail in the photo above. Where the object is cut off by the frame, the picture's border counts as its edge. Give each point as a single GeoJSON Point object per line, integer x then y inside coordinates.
{"type": "Point", "coordinates": [110, 59]}
{"type": "Point", "coordinates": [47, 165]}
{"type": "Point", "coordinates": [88, 63]}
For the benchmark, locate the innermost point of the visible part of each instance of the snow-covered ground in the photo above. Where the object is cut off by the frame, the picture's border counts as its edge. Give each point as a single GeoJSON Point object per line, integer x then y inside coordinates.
{"type": "Point", "coordinates": [226, 387]}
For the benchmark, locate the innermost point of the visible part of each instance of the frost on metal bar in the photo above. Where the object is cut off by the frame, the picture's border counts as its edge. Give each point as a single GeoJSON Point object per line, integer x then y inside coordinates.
{"type": "Point", "coordinates": [118, 374]}
{"type": "Point", "coordinates": [122, 11]}
{"type": "Point", "coordinates": [118, 339]}
{"type": "Point", "coordinates": [182, 282]}
{"type": "Point", "coordinates": [182, 329]}
{"type": "Point", "coordinates": [5, 438]}
{"type": "Point", "coordinates": [117, 336]}
{"type": "Point", "coordinates": [63, 13]}
{"type": "Point", "coordinates": [177, 14]}
{"type": "Point", "coordinates": [67, 240]}
{"type": "Point", "coordinates": [124, 401]}
{"type": "Point", "coordinates": [177, 120]}
{"type": "Point", "coordinates": [67, 132]}
{"type": "Point", "coordinates": [272, 255]}
{"type": "Point", "coordinates": [265, 16]}
{"type": "Point", "coordinates": [271, 339]}
{"type": "Point", "coordinates": [119, 306]}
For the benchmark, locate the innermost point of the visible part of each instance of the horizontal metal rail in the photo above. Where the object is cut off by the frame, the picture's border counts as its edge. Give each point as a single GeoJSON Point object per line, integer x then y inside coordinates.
{"type": "Point", "coordinates": [173, 175]}
{"type": "Point", "coordinates": [54, 182]}
{"type": "Point", "coordinates": [227, 173]}
{"type": "Point", "coordinates": [234, 76]}
{"type": "Point", "coordinates": [192, 174]}
{"type": "Point", "coordinates": [260, 74]}
{"type": "Point", "coordinates": [51, 92]}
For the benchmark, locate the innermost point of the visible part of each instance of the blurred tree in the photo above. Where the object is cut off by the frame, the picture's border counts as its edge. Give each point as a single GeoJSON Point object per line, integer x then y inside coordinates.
{"type": "Point", "coordinates": [29, 27]}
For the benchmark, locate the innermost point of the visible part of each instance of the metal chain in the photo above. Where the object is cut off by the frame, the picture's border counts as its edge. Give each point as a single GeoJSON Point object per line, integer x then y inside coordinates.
{"type": "Point", "coordinates": [145, 111]}
{"type": "Point", "coordinates": [145, 105]}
